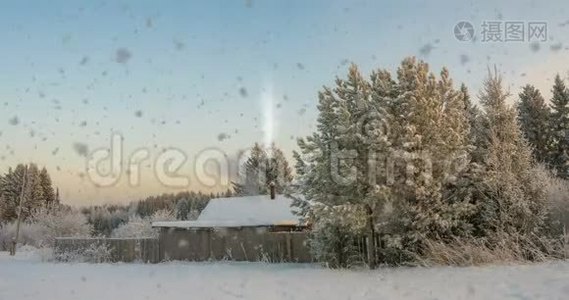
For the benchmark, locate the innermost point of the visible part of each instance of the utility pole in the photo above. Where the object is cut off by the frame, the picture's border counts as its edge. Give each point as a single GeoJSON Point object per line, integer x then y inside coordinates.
{"type": "Point", "coordinates": [15, 241]}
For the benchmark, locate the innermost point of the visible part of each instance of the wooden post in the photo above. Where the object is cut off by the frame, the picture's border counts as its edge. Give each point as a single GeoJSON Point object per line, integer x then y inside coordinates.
{"type": "Point", "coordinates": [289, 246]}
{"type": "Point", "coordinates": [209, 249]}
{"type": "Point", "coordinates": [272, 190]}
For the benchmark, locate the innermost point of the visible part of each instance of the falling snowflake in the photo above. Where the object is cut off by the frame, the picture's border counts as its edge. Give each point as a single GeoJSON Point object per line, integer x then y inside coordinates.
{"type": "Point", "coordinates": [14, 121]}
{"type": "Point", "coordinates": [122, 56]}
{"type": "Point", "coordinates": [81, 149]}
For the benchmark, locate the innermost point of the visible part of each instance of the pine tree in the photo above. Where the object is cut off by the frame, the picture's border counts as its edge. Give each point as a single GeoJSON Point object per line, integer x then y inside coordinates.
{"type": "Point", "coordinates": [49, 195]}
{"type": "Point", "coordinates": [559, 124]}
{"type": "Point", "coordinates": [476, 124]}
{"type": "Point", "coordinates": [262, 167]}
{"type": "Point", "coordinates": [34, 197]}
{"type": "Point", "coordinates": [183, 209]}
{"type": "Point", "coordinates": [432, 139]}
{"type": "Point", "coordinates": [12, 184]}
{"type": "Point", "coordinates": [332, 169]}
{"type": "Point", "coordinates": [533, 116]}
{"type": "Point", "coordinates": [471, 109]}
{"type": "Point", "coordinates": [278, 169]}
{"type": "Point", "coordinates": [11, 191]}
{"type": "Point", "coordinates": [514, 208]}
{"type": "Point", "coordinates": [5, 206]}
{"type": "Point", "coordinates": [252, 177]}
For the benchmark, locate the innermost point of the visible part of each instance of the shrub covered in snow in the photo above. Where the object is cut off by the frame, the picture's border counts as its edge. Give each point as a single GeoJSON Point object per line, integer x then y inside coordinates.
{"type": "Point", "coordinates": [30, 234]}
{"type": "Point", "coordinates": [334, 237]}
{"type": "Point", "coordinates": [106, 218]}
{"type": "Point", "coordinates": [558, 199]}
{"type": "Point", "coordinates": [44, 226]}
{"type": "Point", "coordinates": [94, 253]}
{"type": "Point", "coordinates": [138, 227]}
{"type": "Point", "coordinates": [478, 251]}
{"type": "Point", "coordinates": [61, 223]}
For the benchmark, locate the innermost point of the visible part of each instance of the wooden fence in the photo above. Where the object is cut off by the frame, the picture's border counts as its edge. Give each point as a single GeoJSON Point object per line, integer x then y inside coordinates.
{"type": "Point", "coordinates": [119, 250]}
{"type": "Point", "coordinates": [236, 244]}
{"type": "Point", "coordinates": [245, 244]}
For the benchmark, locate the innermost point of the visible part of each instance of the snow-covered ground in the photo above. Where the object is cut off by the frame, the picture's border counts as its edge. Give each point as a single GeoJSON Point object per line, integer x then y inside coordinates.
{"type": "Point", "coordinates": [26, 277]}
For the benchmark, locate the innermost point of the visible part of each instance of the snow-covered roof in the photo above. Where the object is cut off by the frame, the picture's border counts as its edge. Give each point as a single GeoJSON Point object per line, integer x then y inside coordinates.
{"type": "Point", "coordinates": [241, 212]}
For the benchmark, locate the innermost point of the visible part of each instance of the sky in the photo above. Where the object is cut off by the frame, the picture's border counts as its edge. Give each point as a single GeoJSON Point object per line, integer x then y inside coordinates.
{"type": "Point", "coordinates": [180, 85]}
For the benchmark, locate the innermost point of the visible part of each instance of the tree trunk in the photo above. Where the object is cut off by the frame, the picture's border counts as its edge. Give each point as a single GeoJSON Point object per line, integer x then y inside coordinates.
{"type": "Point", "coordinates": [370, 238]}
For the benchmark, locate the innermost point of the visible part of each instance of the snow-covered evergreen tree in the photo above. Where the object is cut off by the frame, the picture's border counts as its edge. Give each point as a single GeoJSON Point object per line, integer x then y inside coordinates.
{"type": "Point", "coordinates": [34, 196]}
{"type": "Point", "coordinates": [262, 167]}
{"type": "Point", "coordinates": [253, 180]}
{"type": "Point", "coordinates": [12, 186]}
{"type": "Point", "coordinates": [515, 206]}
{"type": "Point", "coordinates": [472, 110]}
{"type": "Point", "coordinates": [278, 169]}
{"type": "Point", "coordinates": [333, 167]}
{"type": "Point", "coordinates": [559, 124]}
{"type": "Point", "coordinates": [49, 196]}
{"type": "Point", "coordinates": [432, 140]}
{"type": "Point", "coordinates": [533, 116]}
{"type": "Point", "coordinates": [477, 126]}
{"type": "Point", "coordinates": [10, 194]}
{"type": "Point", "coordinates": [183, 209]}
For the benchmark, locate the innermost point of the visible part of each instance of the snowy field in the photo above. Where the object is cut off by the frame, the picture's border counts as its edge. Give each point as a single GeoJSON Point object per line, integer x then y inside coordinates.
{"type": "Point", "coordinates": [26, 277]}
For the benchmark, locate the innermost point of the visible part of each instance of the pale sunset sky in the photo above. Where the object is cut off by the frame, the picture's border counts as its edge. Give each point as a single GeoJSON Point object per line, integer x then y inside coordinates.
{"type": "Point", "coordinates": [219, 75]}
